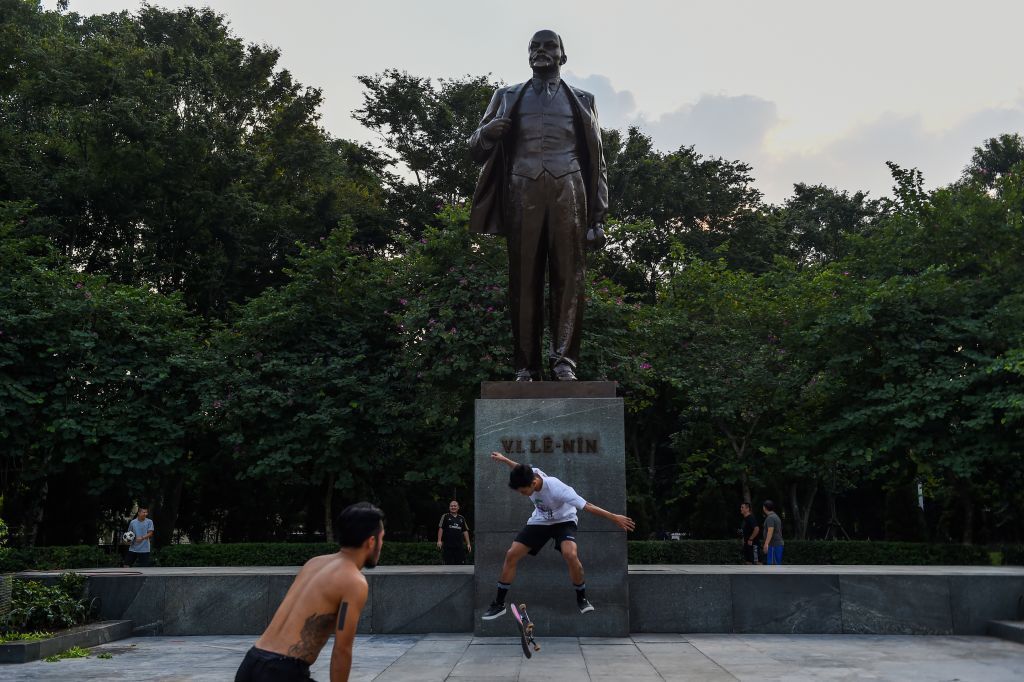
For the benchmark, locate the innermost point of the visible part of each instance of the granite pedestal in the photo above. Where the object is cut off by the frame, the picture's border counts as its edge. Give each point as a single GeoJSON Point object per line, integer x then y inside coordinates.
{"type": "Point", "coordinates": [573, 431]}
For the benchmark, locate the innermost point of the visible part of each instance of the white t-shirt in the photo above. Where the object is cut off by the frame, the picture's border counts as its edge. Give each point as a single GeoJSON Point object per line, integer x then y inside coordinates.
{"type": "Point", "coordinates": [555, 502]}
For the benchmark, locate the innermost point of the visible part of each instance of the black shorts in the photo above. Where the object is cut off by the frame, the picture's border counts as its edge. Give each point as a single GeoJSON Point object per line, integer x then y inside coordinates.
{"type": "Point", "coordinates": [140, 559]}
{"type": "Point", "coordinates": [752, 553]}
{"type": "Point", "coordinates": [535, 536]}
{"type": "Point", "coordinates": [453, 556]}
{"type": "Point", "coordinates": [267, 666]}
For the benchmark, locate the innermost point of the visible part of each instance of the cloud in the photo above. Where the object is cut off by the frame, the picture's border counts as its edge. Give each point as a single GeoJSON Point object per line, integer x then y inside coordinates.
{"type": "Point", "coordinates": [738, 127]}
{"type": "Point", "coordinates": [615, 108]}
{"type": "Point", "coordinates": [717, 125]}
{"type": "Point", "coordinates": [856, 159]}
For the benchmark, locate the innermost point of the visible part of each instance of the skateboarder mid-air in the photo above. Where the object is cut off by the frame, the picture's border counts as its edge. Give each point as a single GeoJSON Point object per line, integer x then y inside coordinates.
{"type": "Point", "coordinates": [554, 518]}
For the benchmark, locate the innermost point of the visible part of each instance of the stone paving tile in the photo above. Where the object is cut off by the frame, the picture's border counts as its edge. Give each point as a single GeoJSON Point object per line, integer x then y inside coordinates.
{"type": "Point", "coordinates": [680, 660]}
{"type": "Point", "coordinates": [669, 658]}
{"type": "Point", "coordinates": [624, 641]}
{"type": "Point", "coordinates": [656, 637]}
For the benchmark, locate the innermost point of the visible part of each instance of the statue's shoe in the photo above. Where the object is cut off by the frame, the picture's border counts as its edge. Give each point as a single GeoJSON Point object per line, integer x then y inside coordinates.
{"type": "Point", "coordinates": [524, 375]}
{"type": "Point", "coordinates": [564, 372]}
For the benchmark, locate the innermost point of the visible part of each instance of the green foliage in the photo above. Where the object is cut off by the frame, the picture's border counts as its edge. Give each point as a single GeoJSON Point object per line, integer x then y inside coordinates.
{"type": "Point", "coordinates": [885, 553]}
{"type": "Point", "coordinates": [35, 606]}
{"type": "Point", "coordinates": [288, 554]}
{"type": "Point", "coordinates": [73, 652]}
{"type": "Point", "coordinates": [24, 636]}
{"type": "Point", "coordinates": [426, 126]}
{"type": "Point", "coordinates": [1013, 555]}
{"type": "Point", "coordinates": [13, 559]}
{"type": "Point", "coordinates": [209, 304]}
{"type": "Point", "coordinates": [162, 150]}
{"type": "Point", "coordinates": [812, 553]}
{"type": "Point", "coordinates": [706, 552]}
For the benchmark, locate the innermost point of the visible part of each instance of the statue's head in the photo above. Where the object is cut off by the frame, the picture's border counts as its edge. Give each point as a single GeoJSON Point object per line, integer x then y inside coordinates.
{"type": "Point", "coordinates": [546, 51]}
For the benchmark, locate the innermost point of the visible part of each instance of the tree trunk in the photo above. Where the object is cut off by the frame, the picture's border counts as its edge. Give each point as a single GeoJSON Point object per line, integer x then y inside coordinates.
{"type": "Point", "coordinates": [801, 517]}
{"type": "Point", "coordinates": [651, 468]}
{"type": "Point", "coordinates": [745, 486]}
{"type": "Point", "coordinates": [328, 512]}
{"type": "Point", "coordinates": [34, 519]}
{"type": "Point", "coordinates": [967, 504]}
{"type": "Point", "coordinates": [794, 507]}
{"type": "Point", "coordinates": [165, 511]}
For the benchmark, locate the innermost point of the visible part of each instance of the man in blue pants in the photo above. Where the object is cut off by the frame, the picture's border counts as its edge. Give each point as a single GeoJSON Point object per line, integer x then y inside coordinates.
{"type": "Point", "coordinates": [773, 542]}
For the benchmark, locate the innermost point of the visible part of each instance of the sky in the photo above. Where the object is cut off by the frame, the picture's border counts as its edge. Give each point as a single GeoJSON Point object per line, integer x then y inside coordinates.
{"type": "Point", "coordinates": [820, 92]}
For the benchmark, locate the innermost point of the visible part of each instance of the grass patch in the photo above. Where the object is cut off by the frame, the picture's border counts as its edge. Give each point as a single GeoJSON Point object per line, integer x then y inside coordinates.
{"type": "Point", "coordinates": [73, 652]}
{"type": "Point", "coordinates": [105, 655]}
{"type": "Point", "coordinates": [24, 636]}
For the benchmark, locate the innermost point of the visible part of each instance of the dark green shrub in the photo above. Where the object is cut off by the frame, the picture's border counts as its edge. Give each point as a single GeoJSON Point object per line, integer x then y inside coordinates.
{"type": "Point", "coordinates": [288, 554]}
{"type": "Point", "coordinates": [35, 606]}
{"type": "Point", "coordinates": [13, 559]}
{"type": "Point", "coordinates": [684, 552]}
{"type": "Point", "coordinates": [696, 552]}
{"type": "Point", "coordinates": [885, 553]}
{"type": "Point", "coordinates": [812, 552]}
{"type": "Point", "coordinates": [1013, 555]}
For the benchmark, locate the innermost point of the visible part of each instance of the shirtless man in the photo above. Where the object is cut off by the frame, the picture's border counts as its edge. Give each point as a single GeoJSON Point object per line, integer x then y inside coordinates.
{"type": "Point", "coordinates": [554, 518]}
{"type": "Point", "coordinates": [327, 596]}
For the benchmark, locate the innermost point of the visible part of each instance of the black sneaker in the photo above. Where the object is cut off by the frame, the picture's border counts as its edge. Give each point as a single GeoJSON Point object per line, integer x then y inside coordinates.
{"type": "Point", "coordinates": [495, 610]}
{"type": "Point", "coordinates": [584, 605]}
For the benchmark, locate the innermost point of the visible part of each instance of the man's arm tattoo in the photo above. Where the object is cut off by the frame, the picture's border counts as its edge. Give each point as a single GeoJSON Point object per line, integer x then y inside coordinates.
{"type": "Point", "coordinates": [341, 615]}
{"type": "Point", "coordinates": [315, 632]}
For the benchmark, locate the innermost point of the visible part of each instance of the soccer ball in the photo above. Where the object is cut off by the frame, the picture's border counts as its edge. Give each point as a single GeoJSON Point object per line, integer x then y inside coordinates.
{"type": "Point", "coordinates": [128, 536]}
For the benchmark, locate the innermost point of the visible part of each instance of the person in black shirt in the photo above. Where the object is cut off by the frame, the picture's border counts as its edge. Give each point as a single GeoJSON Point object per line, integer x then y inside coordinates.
{"type": "Point", "coordinates": [452, 531]}
{"type": "Point", "coordinates": [751, 529]}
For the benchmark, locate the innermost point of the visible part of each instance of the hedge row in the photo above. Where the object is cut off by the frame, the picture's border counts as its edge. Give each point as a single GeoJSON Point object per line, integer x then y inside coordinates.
{"type": "Point", "coordinates": [1013, 555]}
{"type": "Point", "coordinates": [813, 552]}
{"type": "Point", "coordinates": [290, 554]}
{"type": "Point", "coordinates": [696, 552]}
{"type": "Point", "coordinates": [42, 558]}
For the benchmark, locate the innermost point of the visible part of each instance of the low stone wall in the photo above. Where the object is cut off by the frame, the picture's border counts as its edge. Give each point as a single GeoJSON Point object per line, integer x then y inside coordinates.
{"type": "Point", "coordinates": [884, 600]}
{"type": "Point", "coordinates": [84, 636]}
{"type": "Point", "coordinates": [742, 599]}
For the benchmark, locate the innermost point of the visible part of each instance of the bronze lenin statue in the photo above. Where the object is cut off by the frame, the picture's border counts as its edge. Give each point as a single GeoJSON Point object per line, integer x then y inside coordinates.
{"type": "Point", "coordinates": [544, 186]}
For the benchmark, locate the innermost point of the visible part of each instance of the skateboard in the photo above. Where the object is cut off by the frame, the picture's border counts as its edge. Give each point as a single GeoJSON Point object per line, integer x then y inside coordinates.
{"type": "Point", "coordinates": [525, 629]}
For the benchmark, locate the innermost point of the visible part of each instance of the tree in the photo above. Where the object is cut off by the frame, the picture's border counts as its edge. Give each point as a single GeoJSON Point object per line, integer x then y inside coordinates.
{"type": "Point", "coordinates": [994, 159]}
{"type": "Point", "coordinates": [303, 396]}
{"type": "Point", "coordinates": [94, 385]}
{"type": "Point", "coordinates": [660, 201]}
{"type": "Point", "coordinates": [426, 126]}
{"type": "Point", "coordinates": [820, 219]}
{"type": "Point", "coordinates": [162, 150]}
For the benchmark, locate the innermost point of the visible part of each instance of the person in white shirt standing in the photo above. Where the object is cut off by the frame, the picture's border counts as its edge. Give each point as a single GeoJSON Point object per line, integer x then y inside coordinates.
{"type": "Point", "coordinates": [138, 547]}
{"type": "Point", "coordinates": [554, 518]}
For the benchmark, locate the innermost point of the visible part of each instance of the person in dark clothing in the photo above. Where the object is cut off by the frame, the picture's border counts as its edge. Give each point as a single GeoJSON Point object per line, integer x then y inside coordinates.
{"type": "Point", "coordinates": [453, 536]}
{"type": "Point", "coordinates": [751, 549]}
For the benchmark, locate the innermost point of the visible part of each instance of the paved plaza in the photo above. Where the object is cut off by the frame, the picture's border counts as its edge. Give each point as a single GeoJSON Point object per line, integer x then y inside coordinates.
{"type": "Point", "coordinates": [641, 658]}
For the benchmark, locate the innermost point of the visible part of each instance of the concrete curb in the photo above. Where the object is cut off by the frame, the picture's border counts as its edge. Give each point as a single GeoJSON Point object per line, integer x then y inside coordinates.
{"type": "Point", "coordinates": [1010, 630]}
{"type": "Point", "coordinates": [90, 635]}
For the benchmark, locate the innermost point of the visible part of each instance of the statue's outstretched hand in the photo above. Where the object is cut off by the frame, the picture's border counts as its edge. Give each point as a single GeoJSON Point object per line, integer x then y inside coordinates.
{"type": "Point", "coordinates": [496, 129]}
{"type": "Point", "coordinates": [595, 237]}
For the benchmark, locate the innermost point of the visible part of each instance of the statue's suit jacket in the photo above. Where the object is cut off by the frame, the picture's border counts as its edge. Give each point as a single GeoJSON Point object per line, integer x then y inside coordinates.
{"type": "Point", "coordinates": [489, 210]}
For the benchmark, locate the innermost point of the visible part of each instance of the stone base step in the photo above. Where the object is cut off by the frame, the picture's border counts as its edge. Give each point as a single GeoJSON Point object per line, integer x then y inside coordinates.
{"type": "Point", "coordinates": [1012, 630]}
{"type": "Point", "coordinates": [84, 636]}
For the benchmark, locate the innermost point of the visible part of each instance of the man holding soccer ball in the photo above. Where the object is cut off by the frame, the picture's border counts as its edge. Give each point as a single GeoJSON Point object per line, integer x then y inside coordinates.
{"type": "Point", "coordinates": [140, 530]}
